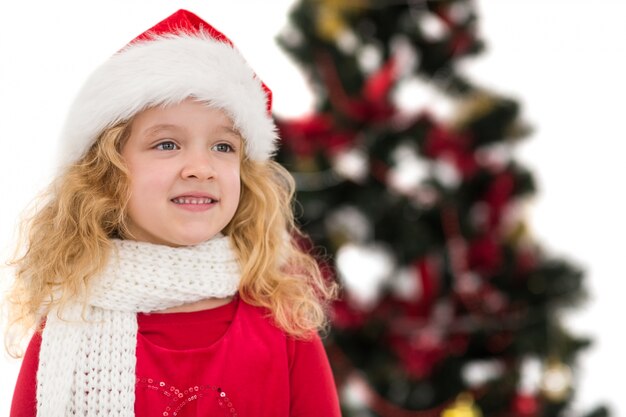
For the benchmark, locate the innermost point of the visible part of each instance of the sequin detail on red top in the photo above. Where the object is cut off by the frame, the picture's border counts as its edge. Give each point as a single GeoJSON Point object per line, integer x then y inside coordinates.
{"type": "Point", "coordinates": [179, 398]}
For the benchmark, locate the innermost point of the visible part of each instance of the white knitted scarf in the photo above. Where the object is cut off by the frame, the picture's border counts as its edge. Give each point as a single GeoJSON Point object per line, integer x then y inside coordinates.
{"type": "Point", "coordinates": [87, 357]}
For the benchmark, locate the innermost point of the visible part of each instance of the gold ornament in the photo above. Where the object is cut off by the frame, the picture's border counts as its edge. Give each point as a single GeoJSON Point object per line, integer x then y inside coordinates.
{"type": "Point", "coordinates": [345, 5]}
{"type": "Point", "coordinates": [556, 381]}
{"type": "Point", "coordinates": [306, 164]}
{"type": "Point", "coordinates": [473, 107]}
{"type": "Point", "coordinates": [518, 233]}
{"type": "Point", "coordinates": [330, 24]}
{"type": "Point", "coordinates": [478, 105]}
{"type": "Point", "coordinates": [463, 407]}
{"type": "Point", "coordinates": [330, 20]}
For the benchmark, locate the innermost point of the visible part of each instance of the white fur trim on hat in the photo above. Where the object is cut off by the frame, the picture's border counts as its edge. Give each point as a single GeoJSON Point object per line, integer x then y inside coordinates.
{"type": "Point", "coordinates": [167, 70]}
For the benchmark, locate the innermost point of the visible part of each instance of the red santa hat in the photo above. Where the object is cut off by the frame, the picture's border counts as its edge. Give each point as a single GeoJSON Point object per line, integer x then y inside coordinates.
{"type": "Point", "coordinates": [180, 57]}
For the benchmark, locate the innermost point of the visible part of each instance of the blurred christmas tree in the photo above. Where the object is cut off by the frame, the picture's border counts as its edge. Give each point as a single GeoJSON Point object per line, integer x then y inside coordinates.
{"type": "Point", "coordinates": [449, 307]}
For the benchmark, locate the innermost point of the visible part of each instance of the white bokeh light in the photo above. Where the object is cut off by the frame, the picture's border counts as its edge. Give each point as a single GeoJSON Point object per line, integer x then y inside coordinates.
{"type": "Point", "coordinates": [363, 269]}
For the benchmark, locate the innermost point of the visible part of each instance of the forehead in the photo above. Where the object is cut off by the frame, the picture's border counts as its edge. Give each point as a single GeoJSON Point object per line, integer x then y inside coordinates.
{"type": "Point", "coordinates": [189, 114]}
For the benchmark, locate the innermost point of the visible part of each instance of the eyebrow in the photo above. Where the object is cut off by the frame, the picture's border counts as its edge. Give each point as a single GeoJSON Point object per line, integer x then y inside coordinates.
{"type": "Point", "coordinates": [164, 126]}
{"type": "Point", "coordinates": [157, 128]}
{"type": "Point", "coordinates": [231, 130]}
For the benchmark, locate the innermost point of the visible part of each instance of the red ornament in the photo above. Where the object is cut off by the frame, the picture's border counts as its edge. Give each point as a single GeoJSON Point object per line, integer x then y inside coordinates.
{"type": "Point", "coordinates": [421, 353]}
{"type": "Point", "coordinates": [442, 143]}
{"type": "Point", "coordinates": [498, 195]}
{"type": "Point", "coordinates": [525, 405]}
{"type": "Point", "coordinates": [373, 103]}
{"type": "Point", "coordinates": [427, 276]}
{"type": "Point", "coordinates": [462, 41]}
{"type": "Point", "coordinates": [314, 133]}
{"type": "Point", "coordinates": [378, 86]}
{"type": "Point", "coordinates": [485, 255]}
{"type": "Point", "coordinates": [343, 316]}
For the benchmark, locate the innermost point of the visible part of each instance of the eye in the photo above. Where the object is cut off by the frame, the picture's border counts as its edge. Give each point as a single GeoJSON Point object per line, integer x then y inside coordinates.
{"type": "Point", "coordinates": [167, 146]}
{"type": "Point", "coordinates": [223, 147]}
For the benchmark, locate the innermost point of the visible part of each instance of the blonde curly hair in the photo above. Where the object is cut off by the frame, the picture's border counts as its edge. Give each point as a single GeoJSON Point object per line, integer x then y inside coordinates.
{"type": "Point", "coordinates": [68, 241]}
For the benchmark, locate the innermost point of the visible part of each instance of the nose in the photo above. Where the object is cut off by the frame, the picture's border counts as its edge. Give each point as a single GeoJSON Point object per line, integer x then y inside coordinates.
{"type": "Point", "coordinates": [198, 165]}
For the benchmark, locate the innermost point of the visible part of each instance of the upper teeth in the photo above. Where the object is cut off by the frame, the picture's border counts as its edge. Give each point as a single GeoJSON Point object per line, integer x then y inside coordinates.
{"type": "Point", "coordinates": [188, 200]}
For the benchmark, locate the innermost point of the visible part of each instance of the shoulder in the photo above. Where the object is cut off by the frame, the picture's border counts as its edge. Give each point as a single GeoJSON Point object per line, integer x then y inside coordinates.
{"type": "Point", "coordinates": [313, 389]}
{"type": "Point", "coordinates": [254, 312]}
{"type": "Point", "coordinates": [263, 317]}
{"type": "Point", "coordinates": [259, 321]}
{"type": "Point", "coordinates": [309, 350]}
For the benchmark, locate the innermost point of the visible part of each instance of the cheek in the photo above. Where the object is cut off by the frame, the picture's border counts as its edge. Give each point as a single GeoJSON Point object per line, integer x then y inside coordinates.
{"type": "Point", "coordinates": [146, 186]}
{"type": "Point", "coordinates": [234, 185]}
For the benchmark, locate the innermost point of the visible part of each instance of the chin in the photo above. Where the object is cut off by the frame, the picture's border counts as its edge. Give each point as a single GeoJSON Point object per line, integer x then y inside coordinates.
{"type": "Point", "coordinates": [194, 240]}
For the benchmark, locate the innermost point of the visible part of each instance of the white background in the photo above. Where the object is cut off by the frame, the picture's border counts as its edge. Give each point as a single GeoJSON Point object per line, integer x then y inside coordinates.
{"type": "Point", "coordinates": [562, 59]}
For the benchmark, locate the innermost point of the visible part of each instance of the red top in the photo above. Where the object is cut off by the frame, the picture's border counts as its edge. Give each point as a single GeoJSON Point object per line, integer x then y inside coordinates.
{"type": "Point", "coordinates": [227, 361]}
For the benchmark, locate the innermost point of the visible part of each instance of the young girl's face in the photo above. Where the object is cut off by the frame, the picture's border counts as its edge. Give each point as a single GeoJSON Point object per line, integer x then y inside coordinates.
{"type": "Point", "coordinates": [184, 165]}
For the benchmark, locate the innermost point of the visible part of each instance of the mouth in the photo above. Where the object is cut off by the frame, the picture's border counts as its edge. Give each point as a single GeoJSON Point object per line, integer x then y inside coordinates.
{"type": "Point", "coordinates": [193, 200]}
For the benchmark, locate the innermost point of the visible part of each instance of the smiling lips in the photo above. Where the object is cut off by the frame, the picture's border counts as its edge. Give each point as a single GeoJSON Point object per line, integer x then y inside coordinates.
{"type": "Point", "coordinates": [194, 203]}
{"type": "Point", "coordinates": [193, 200]}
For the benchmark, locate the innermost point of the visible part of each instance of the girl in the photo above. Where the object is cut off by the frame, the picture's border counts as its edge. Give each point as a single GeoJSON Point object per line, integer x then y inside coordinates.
{"type": "Point", "coordinates": [163, 272]}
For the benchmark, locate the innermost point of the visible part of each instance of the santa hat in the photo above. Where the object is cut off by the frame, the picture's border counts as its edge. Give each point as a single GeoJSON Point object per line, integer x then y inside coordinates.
{"type": "Point", "coordinates": [180, 57]}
